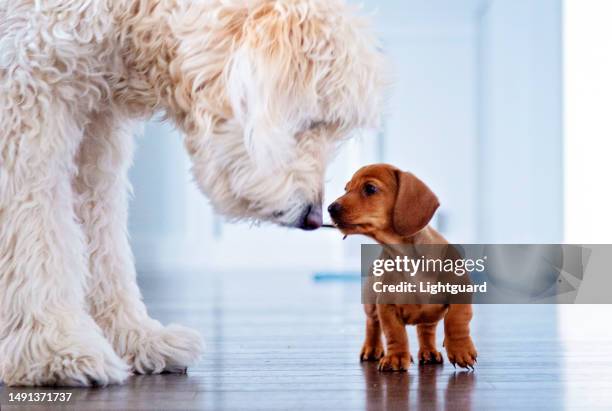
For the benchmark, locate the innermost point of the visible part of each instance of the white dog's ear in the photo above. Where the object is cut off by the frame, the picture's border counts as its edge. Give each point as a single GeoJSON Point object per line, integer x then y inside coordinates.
{"type": "Point", "coordinates": [268, 131]}
{"type": "Point", "coordinates": [295, 61]}
{"type": "Point", "coordinates": [275, 76]}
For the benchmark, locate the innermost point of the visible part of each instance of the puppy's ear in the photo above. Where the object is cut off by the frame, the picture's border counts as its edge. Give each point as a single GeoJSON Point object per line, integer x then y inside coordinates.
{"type": "Point", "coordinates": [415, 204]}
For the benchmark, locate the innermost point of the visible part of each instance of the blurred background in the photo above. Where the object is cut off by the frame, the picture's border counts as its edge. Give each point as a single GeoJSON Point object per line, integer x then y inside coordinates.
{"type": "Point", "coordinates": [476, 110]}
{"type": "Point", "coordinates": [499, 105]}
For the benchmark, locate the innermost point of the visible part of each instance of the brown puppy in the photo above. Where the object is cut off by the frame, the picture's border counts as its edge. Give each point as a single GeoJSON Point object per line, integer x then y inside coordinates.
{"type": "Point", "coordinates": [394, 207]}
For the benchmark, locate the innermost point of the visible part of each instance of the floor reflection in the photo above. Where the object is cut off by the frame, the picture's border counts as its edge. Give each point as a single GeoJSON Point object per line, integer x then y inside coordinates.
{"type": "Point", "coordinates": [291, 343]}
{"type": "Point", "coordinates": [423, 387]}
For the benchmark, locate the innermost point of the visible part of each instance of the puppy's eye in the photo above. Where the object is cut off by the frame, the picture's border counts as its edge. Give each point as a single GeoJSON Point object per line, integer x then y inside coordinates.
{"type": "Point", "coordinates": [370, 189]}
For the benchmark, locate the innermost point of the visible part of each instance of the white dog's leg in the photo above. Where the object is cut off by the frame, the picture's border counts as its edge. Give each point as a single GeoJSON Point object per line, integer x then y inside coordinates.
{"type": "Point", "coordinates": [46, 335]}
{"type": "Point", "coordinates": [113, 295]}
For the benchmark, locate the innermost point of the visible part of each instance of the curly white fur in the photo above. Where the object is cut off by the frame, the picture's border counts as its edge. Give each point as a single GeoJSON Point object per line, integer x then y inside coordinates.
{"type": "Point", "coordinates": [263, 91]}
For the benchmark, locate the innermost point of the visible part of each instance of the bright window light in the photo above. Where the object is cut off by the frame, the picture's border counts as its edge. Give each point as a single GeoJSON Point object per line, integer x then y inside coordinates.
{"type": "Point", "coordinates": [588, 121]}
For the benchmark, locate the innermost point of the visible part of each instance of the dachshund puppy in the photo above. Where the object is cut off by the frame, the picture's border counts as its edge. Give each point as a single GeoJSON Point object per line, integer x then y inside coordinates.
{"type": "Point", "coordinates": [395, 207]}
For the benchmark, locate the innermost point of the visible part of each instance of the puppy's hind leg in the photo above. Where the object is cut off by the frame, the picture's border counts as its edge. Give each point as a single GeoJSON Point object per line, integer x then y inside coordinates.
{"type": "Point", "coordinates": [372, 349]}
{"type": "Point", "coordinates": [113, 295]}
{"type": "Point", "coordinates": [46, 335]}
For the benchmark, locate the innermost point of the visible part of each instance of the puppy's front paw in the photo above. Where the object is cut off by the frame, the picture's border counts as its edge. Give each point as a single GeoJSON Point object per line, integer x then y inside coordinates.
{"type": "Point", "coordinates": [396, 361]}
{"type": "Point", "coordinates": [461, 352]}
{"type": "Point", "coordinates": [430, 356]}
{"type": "Point", "coordinates": [371, 352]}
{"type": "Point", "coordinates": [154, 349]}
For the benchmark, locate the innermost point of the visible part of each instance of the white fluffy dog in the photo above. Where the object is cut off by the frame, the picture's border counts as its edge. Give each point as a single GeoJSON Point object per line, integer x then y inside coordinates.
{"type": "Point", "coordinates": [263, 91]}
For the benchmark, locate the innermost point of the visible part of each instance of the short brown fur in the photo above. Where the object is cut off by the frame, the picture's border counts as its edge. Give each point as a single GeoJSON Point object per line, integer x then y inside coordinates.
{"type": "Point", "coordinates": [397, 211]}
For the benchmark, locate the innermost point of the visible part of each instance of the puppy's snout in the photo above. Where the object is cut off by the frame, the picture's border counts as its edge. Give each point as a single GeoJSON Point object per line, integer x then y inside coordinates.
{"type": "Point", "coordinates": [313, 217]}
{"type": "Point", "coordinates": [334, 209]}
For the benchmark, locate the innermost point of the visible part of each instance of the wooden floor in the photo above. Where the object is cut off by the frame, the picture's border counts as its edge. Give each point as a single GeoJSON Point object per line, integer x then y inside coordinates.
{"type": "Point", "coordinates": [286, 342]}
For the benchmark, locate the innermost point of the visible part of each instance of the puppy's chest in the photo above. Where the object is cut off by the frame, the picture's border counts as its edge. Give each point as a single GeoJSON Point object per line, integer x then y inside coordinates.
{"type": "Point", "coordinates": [421, 313]}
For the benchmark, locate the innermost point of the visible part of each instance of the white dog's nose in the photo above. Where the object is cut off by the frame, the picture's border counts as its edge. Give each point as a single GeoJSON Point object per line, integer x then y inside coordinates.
{"type": "Point", "coordinates": [313, 218]}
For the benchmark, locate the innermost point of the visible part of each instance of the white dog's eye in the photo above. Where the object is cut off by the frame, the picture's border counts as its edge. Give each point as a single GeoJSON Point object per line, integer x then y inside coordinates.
{"type": "Point", "coordinates": [313, 125]}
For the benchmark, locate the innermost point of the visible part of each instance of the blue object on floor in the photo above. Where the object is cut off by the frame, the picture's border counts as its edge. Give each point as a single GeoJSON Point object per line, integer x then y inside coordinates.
{"type": "Point", "coordinates": [337, 276]}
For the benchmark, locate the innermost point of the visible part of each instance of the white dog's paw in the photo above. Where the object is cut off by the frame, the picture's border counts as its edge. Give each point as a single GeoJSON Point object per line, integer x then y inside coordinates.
{"type": "Point", "coordinates": [83, 359]}
{"type": "Point", "coordinates": [157, 349]}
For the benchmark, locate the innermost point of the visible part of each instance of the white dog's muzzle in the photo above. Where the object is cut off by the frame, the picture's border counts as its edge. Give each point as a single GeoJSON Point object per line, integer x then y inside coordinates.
{"type": "Point", "coordinates": [312, 218]}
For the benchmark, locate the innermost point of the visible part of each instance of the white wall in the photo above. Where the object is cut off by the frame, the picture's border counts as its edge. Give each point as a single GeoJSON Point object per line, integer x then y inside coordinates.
{"type": "Point", "coordinates": [520, 105]}
{"type": "Point", "coordinates": [431, 127]}
{"type": "Point", "coordinates": [588, 120]}
{"type": "Point", "coordinates": [588, 168]}
{"type": "Point", "coordinates": [166, 214]}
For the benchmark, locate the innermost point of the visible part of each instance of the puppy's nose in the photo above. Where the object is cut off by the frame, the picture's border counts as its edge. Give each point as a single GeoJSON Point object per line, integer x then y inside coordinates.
{"type": "Point", "coordinates": [313, 218]}
{"type": "Point", "coordinates": [334, 209]}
